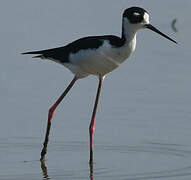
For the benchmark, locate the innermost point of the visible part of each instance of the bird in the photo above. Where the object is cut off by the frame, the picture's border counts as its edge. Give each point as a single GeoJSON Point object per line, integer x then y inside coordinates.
{"type": "Point", "coordinates": [98, 56]}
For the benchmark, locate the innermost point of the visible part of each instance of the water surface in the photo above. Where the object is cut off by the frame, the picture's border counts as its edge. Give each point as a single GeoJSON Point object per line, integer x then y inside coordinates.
{"type": "Point", "coordinates": [144, 117]}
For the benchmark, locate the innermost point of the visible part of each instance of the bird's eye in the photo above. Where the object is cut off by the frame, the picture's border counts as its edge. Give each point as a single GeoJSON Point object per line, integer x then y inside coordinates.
{"type": "Point", "coordinates": [136, 17]}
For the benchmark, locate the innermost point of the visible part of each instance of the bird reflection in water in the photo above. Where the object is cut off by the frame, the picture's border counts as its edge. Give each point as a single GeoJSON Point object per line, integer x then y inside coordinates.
{"type": "Point", "coordinates": [45, 171]}
{"type": "Point", "coordinates": [91, 171]}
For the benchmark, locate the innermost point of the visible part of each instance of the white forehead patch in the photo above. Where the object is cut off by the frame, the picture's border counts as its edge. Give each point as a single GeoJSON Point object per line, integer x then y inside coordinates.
{"type": "Point", "coordinates": [136, 14]}
{"type": "Point", "coordinates": [146, 17]}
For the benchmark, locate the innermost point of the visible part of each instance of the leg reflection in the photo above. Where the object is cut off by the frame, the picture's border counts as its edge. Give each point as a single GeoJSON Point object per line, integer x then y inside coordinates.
{"type": "Point", "coordinates": [44, 170]}
{"type": "Point", "coordinates": [91, 171]}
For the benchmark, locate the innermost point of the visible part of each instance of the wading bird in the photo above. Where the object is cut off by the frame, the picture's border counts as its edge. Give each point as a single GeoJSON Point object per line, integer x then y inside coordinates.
{"type": "Point", "coordinates": [96, 55]}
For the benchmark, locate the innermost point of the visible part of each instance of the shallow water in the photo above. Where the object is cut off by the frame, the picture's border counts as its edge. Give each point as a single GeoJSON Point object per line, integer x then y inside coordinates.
{"type": "Point", "coordinates": [144, 117]}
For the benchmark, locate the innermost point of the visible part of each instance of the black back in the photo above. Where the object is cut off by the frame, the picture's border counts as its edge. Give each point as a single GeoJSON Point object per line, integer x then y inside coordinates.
{"type": "Point", "coordinates": [91, 42]}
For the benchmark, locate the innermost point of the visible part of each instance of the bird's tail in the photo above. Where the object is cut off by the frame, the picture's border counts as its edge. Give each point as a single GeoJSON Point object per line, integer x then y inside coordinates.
{"type": "Point", "coordinates": [35, 52]}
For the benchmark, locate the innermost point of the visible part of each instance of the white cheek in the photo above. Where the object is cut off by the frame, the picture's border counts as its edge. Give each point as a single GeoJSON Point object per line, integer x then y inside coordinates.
{"type": "Point", "coordinates": [146, 18]}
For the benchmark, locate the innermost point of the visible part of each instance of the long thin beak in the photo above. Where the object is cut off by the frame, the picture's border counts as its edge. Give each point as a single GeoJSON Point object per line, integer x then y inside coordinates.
{"type": "Point", "coordinates": [149, 26]}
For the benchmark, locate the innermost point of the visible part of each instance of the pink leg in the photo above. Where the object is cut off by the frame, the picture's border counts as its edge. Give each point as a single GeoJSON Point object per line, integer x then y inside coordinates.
{"type": "Point", "coordinates": [92, 123]}
{"type": "Point", "coordinates": [50, 115]}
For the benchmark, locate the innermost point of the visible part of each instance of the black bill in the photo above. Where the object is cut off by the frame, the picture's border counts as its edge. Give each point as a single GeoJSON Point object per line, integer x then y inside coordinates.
{"type": "Point", "coordinates": [149, 26]}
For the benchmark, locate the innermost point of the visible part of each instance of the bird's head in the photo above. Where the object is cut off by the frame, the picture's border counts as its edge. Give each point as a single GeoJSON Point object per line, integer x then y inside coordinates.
{"type": "Point", "coordinates": [136, 18]}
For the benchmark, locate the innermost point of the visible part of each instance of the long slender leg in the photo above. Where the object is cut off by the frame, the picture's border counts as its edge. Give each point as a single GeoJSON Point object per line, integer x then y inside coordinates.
{"type": "Point", "coordinates": [92, 123]}
{"type": "Point", "coordinates": [50, 115]}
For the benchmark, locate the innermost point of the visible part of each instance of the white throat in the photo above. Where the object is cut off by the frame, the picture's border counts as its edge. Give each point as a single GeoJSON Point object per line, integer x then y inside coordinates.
{"type": "Point", "coordinates": [129, 35]}
{"type": "Point", "coordinates": [128, 30]}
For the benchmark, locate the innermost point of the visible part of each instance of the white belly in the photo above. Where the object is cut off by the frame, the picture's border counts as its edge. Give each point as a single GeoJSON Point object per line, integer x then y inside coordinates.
{"type": "Point", "coordinates": [98, 62]}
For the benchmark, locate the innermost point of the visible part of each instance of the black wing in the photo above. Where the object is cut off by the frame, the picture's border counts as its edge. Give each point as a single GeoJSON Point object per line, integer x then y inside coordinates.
{"type": "Point", "coordinates": [62, 53]}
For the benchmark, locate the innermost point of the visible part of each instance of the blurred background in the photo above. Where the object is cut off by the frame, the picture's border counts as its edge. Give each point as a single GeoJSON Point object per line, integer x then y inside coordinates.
{"type": "Point", "coordinates": [144, 116]}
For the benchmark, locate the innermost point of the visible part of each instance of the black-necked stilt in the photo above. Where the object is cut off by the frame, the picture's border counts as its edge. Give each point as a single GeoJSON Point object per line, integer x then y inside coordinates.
{"type": "Point", "coordinates": [96, 55]}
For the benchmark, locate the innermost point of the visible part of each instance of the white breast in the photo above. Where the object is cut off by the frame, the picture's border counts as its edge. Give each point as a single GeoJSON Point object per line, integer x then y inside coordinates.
{"type": "Point", "coordinates": [99, 61]}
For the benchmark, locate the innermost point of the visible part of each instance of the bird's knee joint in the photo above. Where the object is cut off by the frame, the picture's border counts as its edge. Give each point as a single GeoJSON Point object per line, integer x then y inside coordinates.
{"type": "Point", "coordinates": [91, 129]}
{"type": "Point", "coordinates": [51, 111]}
